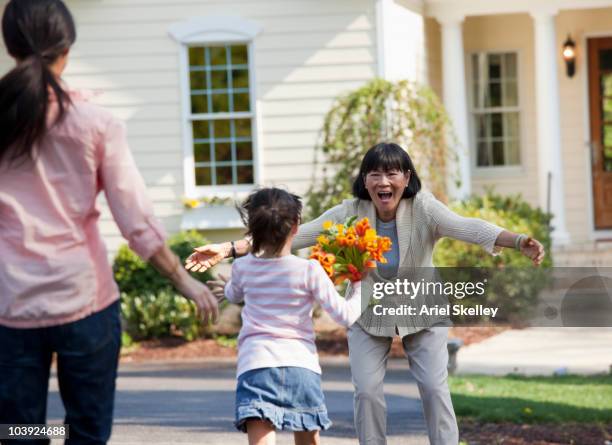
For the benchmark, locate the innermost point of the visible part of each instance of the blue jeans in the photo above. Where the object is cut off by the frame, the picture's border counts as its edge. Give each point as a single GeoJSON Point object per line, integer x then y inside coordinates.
{"type": "Point", "coordinates": [87, 358]}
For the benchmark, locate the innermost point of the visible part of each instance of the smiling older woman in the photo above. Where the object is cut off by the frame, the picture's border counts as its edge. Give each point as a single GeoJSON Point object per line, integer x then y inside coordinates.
{"type": "Point", "coordinates": [388, 191]}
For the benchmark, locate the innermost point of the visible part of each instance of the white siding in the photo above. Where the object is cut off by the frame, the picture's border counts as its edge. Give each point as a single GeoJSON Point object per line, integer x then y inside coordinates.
{"type": "Point", "coordinates": [308, 52]}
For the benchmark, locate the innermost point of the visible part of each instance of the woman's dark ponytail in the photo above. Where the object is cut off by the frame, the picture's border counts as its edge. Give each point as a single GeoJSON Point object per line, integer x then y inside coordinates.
{"type": "Point", "coordinates": [36, 33]}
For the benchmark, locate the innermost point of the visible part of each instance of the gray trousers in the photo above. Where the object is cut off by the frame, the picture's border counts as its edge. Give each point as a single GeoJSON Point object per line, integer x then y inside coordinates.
{"type": "Point", "coordinates": [428, 357]}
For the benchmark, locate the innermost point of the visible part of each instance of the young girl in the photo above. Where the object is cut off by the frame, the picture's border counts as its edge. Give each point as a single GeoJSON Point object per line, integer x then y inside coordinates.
{"type": "Point", "coordinates": [279, 377]}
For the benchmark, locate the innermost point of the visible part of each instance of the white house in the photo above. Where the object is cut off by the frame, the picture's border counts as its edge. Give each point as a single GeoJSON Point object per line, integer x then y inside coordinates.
{"type": "Point", "coordinates": [220, 95]}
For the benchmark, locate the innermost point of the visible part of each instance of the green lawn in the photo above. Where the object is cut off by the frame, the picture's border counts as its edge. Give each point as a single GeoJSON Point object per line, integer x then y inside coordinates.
{"type": "Point", "coordinates": [522, 399]}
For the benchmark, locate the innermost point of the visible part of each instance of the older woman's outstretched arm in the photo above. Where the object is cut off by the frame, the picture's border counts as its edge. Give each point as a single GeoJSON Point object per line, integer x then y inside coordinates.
{"type": "Point", "coordinates": [477, 231]}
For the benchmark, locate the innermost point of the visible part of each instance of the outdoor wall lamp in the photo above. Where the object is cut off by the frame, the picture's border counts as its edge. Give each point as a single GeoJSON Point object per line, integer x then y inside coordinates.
{"type": "Point", "coordinates": [569, 55]}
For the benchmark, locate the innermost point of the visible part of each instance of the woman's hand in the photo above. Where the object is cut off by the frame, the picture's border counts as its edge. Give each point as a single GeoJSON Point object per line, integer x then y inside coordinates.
{"type": "Point", "coordinates": [205, 257]}
{"type": "Point", "coordinates": [208, 309]}
{"type": "Point", "coordinates": [218, 287]}
{"type": "Point", "coordinates": [533, 249]}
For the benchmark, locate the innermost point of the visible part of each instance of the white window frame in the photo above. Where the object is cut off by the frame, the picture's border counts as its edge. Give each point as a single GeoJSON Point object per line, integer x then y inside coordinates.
{"type": "Point", "coordinates": [504, 170]}
{"type": "Point", "coordinates": [216, 31]}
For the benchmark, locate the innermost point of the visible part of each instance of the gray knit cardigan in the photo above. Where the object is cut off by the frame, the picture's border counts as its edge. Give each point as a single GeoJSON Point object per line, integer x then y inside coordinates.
{"type": "Point", "coordinates": [420, 222]}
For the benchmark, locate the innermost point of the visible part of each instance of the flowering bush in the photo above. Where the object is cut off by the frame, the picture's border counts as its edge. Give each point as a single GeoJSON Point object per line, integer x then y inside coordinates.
{"type": "Point", "coordinates": [346, 250]}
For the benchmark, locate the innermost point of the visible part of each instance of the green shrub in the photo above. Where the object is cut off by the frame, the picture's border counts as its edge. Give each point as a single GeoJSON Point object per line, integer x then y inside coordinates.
{"type": "Point", "coordinates": [517, 288]}
{"type": "Point", "coordinates": [150, 305]}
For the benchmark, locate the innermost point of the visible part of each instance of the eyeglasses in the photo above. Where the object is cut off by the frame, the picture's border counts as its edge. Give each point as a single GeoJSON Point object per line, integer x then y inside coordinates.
{"type": "Point", "coordinates": [392, 175]}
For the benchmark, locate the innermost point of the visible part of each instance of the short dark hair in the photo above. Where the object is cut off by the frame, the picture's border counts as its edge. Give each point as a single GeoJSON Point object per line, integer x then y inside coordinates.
{"type": "Point", "coordinates": [269, 214]}
{"type": "Point", "coordinates": [386, 156]}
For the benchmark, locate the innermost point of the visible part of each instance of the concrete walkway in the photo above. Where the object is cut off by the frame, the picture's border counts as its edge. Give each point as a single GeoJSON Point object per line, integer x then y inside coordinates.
{"type": "Point", "coordinates": [193, 403]}
{"type": "Point", "coordinates": [540, 351]}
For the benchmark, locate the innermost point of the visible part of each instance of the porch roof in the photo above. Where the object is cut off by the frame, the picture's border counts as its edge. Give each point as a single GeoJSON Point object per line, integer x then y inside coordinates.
{"type": "Point", "coordinates": [461, 8]}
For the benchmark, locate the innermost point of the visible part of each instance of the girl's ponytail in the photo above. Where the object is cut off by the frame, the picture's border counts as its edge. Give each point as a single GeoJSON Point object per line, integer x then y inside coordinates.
{"type": "Point", "coordinates": [36, 34]}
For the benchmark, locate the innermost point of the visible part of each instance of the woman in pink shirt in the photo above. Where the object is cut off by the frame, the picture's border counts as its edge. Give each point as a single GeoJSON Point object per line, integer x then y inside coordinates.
{"type": "Point", "coordinates": [57, 293]}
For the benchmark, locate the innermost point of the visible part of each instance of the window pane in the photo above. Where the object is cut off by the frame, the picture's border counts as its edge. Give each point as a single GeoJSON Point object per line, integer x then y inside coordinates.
{"type": "Point", "coordinates": [498, 153]}
{"type": "Point", "coordinates": [494, 66]}
{"type": "Point", "coordinates": [240, 78]}
{"type": "Point", "coordinates": [244, 151]}
{"type": "Point", "coordinates": [496, 125]}
{"type": "Point", "coordinates": [483, 123]}
{"type": "Point", "coordinates": [203, 176]}
{"type": "Point", "coordinates": [222, 128]}
{"type": "Point", "coordinates": [196, 56]}
{"type": "Point", "coordinates": [201, 152]}
{"type": "Point", "coordinates": [607, 109]}
{"type": "Point", "coordinates": [608, 159]}
{"type": "Point", "coordinates": [245, 174]}
{"type": "Point", "coordinates": [223, 152]}
{"type": "Point", "coordinates": [219, 80]}
{"type": "Point", "coordinates": [224, 176]}
{"type": "Point", "coordinates": [510, 94]}
{"type": "Point", "coordinates": [197, 80]}
{"type": "Point", "coordinates": [199, 103]}
{"type": "Point", "coordinates": [483, 154]}
{"type": "Point", "coordinates": [217, 55]}
{"type": "Point", "coordinates": [220, 103]}
{"type": "Point", "coordinates": [510, 66]}
{"type": "Point", "coordinates": [511, 126]}
{"type": "Point", "coordinates": [239, 55]}
{"type": "Point", "coordinates": [200, 130]}
{"type": "Point", "coordinates": [512, 152]}
{"type": "Point", "coordinates": [243, 128]}
{"type": "Point", "coordinates": [607, 136]}
{"type": "Point", "coordinates": [606, 85]}
{"type": "Point", "coordinates": [241, 102]}
{"type": "Point", "coordinates": [494, 98]}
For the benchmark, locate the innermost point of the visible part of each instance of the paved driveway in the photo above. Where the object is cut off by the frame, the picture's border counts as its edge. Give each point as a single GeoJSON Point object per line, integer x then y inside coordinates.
{"type": "Point", "coordinates": [193, 403]}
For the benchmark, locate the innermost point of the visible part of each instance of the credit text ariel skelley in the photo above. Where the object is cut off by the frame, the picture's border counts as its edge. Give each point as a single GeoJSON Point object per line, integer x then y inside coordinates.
{"type": "Point", "coordinates": [411, 289]}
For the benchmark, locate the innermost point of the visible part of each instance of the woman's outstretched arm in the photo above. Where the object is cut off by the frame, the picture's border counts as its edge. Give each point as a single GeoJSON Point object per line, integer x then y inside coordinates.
{"type": "Point", "coordinates": [477, 231]}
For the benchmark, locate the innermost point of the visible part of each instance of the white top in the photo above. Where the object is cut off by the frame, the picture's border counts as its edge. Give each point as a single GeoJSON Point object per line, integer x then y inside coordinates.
{"type": "Point", "coordinates": [279, 296]}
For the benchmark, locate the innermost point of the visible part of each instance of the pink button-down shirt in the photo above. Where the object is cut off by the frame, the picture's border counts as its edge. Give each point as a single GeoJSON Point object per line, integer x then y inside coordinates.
{"type": "Point", "coordinates": [53, 263]}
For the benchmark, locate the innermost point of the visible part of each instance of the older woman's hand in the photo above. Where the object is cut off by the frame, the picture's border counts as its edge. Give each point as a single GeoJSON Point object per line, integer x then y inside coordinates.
{"type": "Point", "coordinates": [205, 257]}
{"type": "Point", "coordinates": [533, 249]}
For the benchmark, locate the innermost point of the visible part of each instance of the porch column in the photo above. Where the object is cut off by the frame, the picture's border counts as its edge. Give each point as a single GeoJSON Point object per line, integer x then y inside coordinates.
{"type": "Point", "coordinates": [455, 101]}
{"type": "Point", "coordinates": [547, 56]}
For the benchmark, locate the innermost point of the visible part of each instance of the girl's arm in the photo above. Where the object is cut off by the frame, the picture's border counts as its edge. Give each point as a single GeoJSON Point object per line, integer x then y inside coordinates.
{"type": "Point", "coordinates": [343, 311]}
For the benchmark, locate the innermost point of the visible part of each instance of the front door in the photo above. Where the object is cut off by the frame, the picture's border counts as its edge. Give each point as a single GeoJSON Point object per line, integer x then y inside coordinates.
{"type": "Point", "coordinates": [600, 99]}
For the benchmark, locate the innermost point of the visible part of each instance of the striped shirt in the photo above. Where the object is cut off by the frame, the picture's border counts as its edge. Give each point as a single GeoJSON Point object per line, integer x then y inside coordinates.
{"type": "Point", "coordinates": [279, 296]}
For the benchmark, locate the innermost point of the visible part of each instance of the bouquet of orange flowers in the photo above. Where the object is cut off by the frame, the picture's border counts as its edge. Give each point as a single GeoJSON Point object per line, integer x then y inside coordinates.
{"type": "Point", "coordinates": [346, 250]}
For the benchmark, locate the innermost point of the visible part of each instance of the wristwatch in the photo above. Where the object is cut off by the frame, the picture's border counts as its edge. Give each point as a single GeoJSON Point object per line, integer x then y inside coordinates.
{"type": "Point", "coordinates": [233, 250]}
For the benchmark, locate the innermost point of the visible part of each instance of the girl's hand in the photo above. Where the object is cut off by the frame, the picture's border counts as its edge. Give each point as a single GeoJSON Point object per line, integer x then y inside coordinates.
{"type": "Point", "coordinates": [218, 287]}
{"type": "Point", "coordinates": [205, 257]}
{"type": "Point", "coordinates": [533, 249]}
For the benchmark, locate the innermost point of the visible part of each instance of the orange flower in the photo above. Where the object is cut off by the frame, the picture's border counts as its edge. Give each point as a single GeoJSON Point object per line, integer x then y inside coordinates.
{"type": "Point", "coordinates": [370, 264]}
{"type": "Point", "coordinates": [328, 259]}
{"type": "Point", "coordinates": [350, 239]}
{"type": "Point", "coordinates": [362, 226]}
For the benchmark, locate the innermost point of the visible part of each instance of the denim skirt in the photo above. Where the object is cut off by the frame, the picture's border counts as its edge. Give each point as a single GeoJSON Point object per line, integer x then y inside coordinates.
{"type": "Point", "coordinates": [289, 397]}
